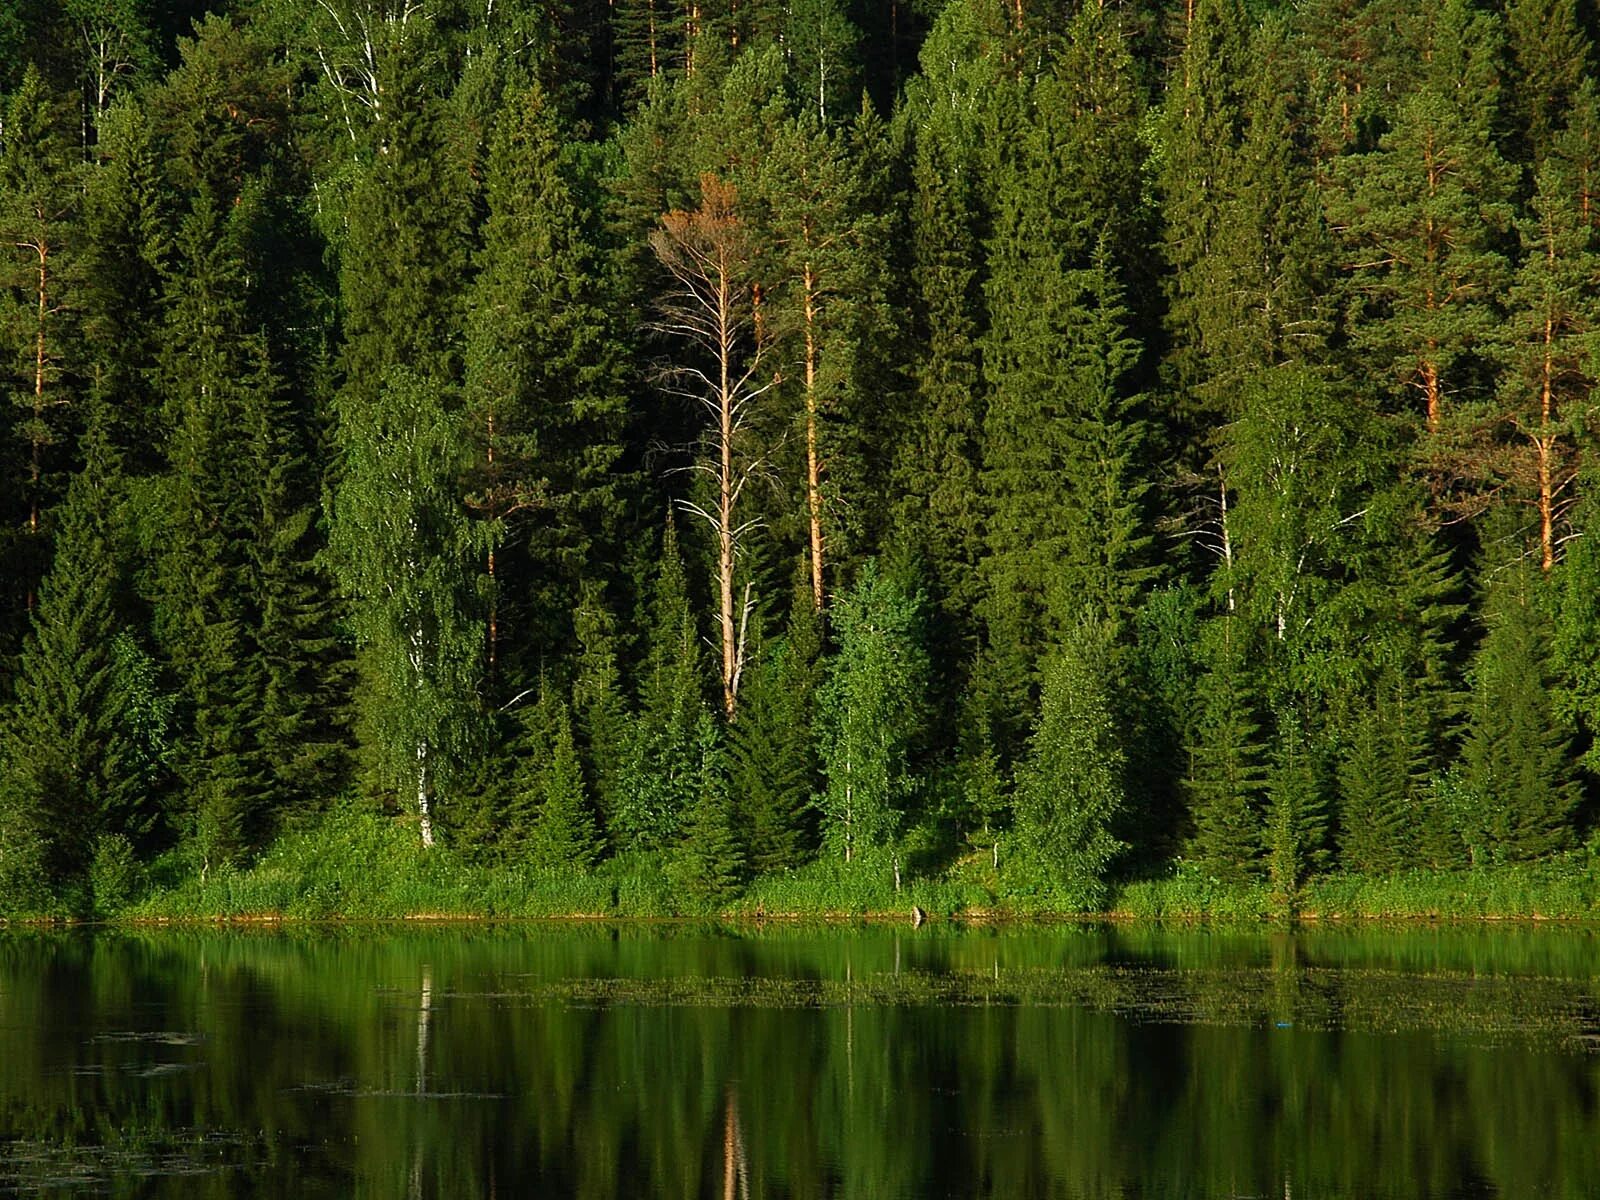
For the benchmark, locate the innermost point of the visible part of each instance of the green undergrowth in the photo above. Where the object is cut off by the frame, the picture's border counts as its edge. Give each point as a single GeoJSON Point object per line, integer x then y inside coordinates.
{"type": "Point", "coordinates": [356, 865]}
{"type": "Point", "coordinates": [1567, 888]}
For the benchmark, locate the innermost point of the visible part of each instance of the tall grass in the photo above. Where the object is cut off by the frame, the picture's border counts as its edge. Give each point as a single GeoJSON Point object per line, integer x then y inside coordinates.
{"type": "Point", "coordinates": [356, 864]}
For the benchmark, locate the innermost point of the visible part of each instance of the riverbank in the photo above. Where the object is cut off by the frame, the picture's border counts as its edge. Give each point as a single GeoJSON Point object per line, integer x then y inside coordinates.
{"type": "Point", "coordinates": [354, 866]}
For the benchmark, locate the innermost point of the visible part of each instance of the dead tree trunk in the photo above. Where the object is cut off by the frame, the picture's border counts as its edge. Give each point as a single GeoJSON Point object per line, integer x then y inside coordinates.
{"type": "Point", "coordinates": [713, 308]}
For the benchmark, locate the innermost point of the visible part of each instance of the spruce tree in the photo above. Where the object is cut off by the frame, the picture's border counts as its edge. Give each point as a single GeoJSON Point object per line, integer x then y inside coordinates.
{"type": "Point", "coordinates": [1517, 766]}
{"type": "Point", "coordinates": [1203, 129]}
{"type": "Point", "coordinates": [1549, 59]}
{"type": "Point", "coordinates": [771, 747]}
{"type": "Point", "coordinates": [543, 396]}
{"type": "Point", "coordinates": [709, 862]}
{"type": "Point", "coordinates": [127, 242]}
{"type": "Point", "coordinates": [599, 707]}
{"type": "Point", "coordinates": [220, 407]}
{"type": "Point", "coordinates": [871, 713]}
{"type": "Point", "coordinates": [69, 751]}
{"type": "Point", "coordinates": [1296, 824]}
{"type": "Point", "coordinates": [564, 835]}
{"type": "Point", "coordinates": [1070, 789]}
{"type": "Point", "coordinates": [1226, 780]}
{"type": "Point", "coordinates": [657, 780]}
{"type": "Point", "coordinates": [1378, 809]}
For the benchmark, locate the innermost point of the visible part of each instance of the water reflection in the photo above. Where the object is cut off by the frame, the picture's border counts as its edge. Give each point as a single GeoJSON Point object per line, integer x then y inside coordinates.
{"type": "Point", "coordinates": [604, 1062]}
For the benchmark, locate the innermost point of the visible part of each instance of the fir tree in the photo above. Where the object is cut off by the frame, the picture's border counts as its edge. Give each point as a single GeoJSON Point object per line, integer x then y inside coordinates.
{"type": "Point", "coordinates": [1203, 129]}
{"type": "Point", "coordinates": [1377, 792]}
{"type": "Point", "coordinates": [220, 407]}
{"type": "Point", "coordinates": [597, 701]}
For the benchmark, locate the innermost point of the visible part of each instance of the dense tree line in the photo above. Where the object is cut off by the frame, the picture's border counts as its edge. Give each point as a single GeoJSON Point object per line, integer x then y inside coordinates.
{"type": "Point", "coordinates": [1066, 442]}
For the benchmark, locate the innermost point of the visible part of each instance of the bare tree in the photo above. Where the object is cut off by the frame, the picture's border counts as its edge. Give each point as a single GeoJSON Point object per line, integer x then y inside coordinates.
{"type": "Point", "coordinates": [714, 308]}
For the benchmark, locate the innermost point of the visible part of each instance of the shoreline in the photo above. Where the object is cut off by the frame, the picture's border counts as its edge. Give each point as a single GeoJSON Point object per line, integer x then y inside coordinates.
{"type": "Point", "coordinates": [795, 919]}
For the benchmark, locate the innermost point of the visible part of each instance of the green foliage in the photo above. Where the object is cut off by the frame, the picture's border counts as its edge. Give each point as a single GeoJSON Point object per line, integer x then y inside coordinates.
{"type": "Point", "coordinates": [709, 863]}
{"type": "Point", "coordinates": [1226, 780]}
{"type": "Point", "coordinates": [1070, 789]}
{"type": "Point", "coordinates": [563, 834]}
{"type": "Point", "coordinates": [405, 554]}
{"type": "Point", "coordinates": [1243, 333]}
{"type": "Point", "coordinates": [543, 400]}
{"type": "Point", "coordinates": [73, 755]}
{"type": "Point", "coordinates": [871, 713]}
{"type": "Point", "coordinates": [1516, 768]}
{"type": "Point", "coordinates": [658, 780]}
{"type": "Point", "coordinates": [115, 876]}
{"type": "Point", "coordinates": [772, 761]}
{"type": "Point", "coordinates": [1296, 814]}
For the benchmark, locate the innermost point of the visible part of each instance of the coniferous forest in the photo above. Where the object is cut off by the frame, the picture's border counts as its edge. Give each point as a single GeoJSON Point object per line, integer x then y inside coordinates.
{"type": "Point", "coordinates": [716, 446]}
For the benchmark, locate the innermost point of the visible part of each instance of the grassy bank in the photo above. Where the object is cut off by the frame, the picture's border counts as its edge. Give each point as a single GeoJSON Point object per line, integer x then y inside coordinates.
{"type": "Point", "coordinates": [356, 865]}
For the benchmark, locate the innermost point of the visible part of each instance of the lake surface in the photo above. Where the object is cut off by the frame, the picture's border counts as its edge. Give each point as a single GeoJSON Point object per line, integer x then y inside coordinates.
{"type": "Point", "coordinates": [679, 1061]}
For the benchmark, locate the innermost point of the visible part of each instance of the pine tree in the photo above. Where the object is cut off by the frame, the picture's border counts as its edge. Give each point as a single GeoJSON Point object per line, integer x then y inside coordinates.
{"type": "Point", "coordinates": [40, 193]}
{"type": "Point", "coordinates": [713, 310]}
{"type": "Point", "coordinates": [1070, 789]}
{"type": "Point", "coordinates": [1554, 310]}
{"type": "Point", "coordinates": [814, 196]}
{"type": "Point", "coordinates": [1421, 217]}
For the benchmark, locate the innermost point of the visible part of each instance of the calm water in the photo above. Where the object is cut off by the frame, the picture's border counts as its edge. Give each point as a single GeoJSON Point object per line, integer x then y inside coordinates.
{"type": "Point", "coordinates": [688, 1062]}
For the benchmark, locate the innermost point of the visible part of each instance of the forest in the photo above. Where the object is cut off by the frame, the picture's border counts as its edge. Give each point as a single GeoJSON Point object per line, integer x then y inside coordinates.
{"type": "Point", "coordinates": [802, 445]}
